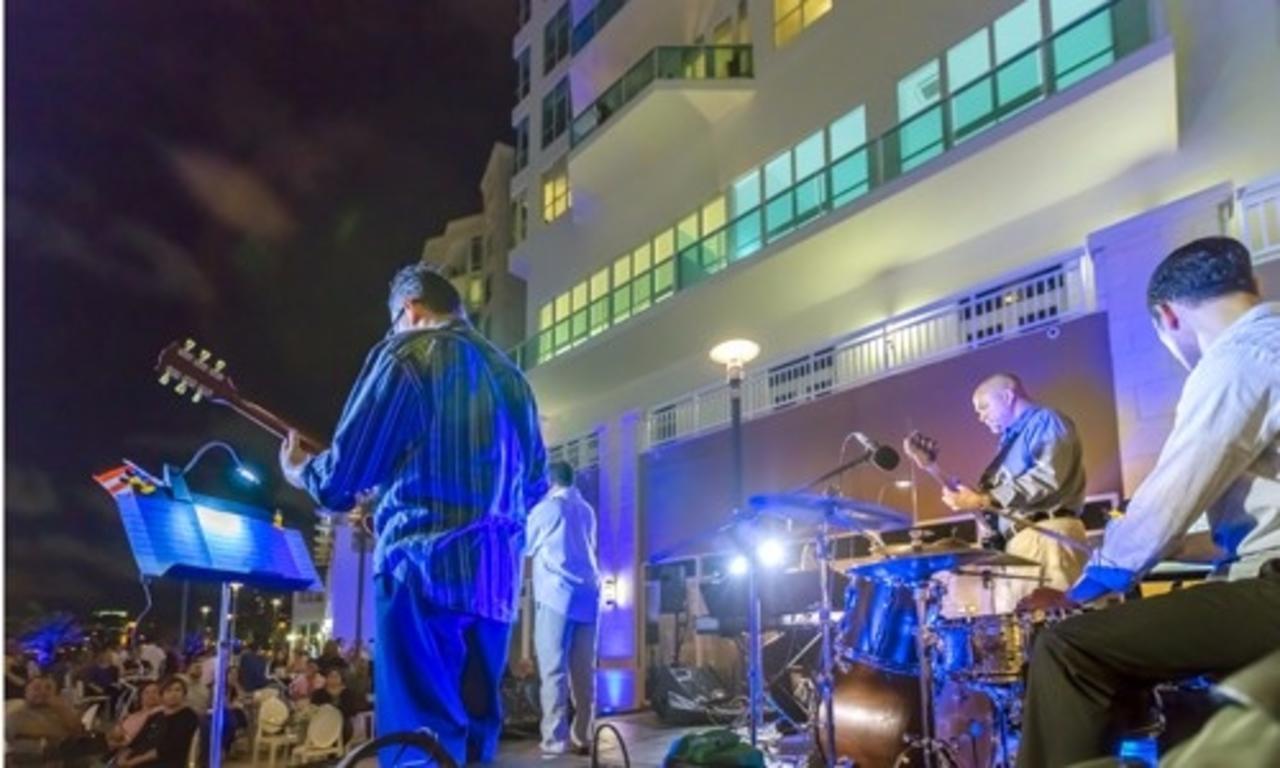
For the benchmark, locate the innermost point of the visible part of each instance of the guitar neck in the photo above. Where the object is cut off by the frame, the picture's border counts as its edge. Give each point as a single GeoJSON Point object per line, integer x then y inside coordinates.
{"type": "Point", "coordinates": [273, 423]}
{"type": "Point", "coordinates": [942, 478]}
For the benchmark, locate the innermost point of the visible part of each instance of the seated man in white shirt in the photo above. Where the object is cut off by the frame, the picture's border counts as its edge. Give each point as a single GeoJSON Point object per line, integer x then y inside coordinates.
{"type": "Point", "coordinates": [1221, 459]}
{"type": "Point", "coordinates": [566, 589]}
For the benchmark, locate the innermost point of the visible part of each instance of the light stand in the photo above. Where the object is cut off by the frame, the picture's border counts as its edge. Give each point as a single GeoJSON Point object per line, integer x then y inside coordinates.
{"type": "Point", "coordinates": [734, 355]}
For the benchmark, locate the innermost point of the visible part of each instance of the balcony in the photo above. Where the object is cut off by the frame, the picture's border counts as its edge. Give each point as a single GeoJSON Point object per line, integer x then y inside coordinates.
{"type": "Point", "coordinates": [699, 62]}
{"type": "Point", "coordinates": [1015, 141]}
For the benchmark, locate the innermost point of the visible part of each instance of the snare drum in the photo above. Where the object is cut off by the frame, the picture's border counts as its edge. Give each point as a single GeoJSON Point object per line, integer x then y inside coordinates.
{"type": "Point", "coordinates": [987, 648]}
{"type": "Point", "coordinates": [879, 625]}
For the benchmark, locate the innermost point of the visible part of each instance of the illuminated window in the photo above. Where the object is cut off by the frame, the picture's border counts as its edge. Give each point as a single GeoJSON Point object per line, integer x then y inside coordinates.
{"type": "Point", "coordinates": [664, 265]}
{"type": "Point", "coordinates": [972, 102]}
{"type": "Point", "coordinates": [475, 291]}
{"type": "Point", "coordinates": [555, 112]}
{"type": "Point", "coordinates": [850, 164]}
{"type": "Point", "coordinates": [920, 128]}
{"type": "Point", "coordinates": [599, 313]}
{"type": "Point", "coordinates": [790, 17]}
{"type": "Point", "coordinates": [1017, 57]}
{"type": "Point", "coordinates": [555, 194]}
{"type": "Point", "coordinates": [1087, 46]}
{"type": "Point", "coordinates": [622, 288]}
{"type": "Point", "coordinates": [522, 75]}
{"type": "Point", "coordinates": [555, 39]}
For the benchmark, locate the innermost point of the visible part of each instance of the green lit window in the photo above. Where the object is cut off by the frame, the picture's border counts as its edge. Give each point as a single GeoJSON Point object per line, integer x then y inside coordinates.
{"type": "Point", "coordinates": [622, 288]}
{"type": "Point", "coordinates": [599, 314]}
{"type": "Point", "coordinates": [578, 321]}
{"type": "Point", "coordinates": [919, 132]}
{"type": "Point", "coordinates": [1018, 75]}
{"type": "Point", "coordinates": [1084, 48]}
{"type": "Point", "coordinates": [972, 92]}
{"type": "Point", "coordinates": [715, 249]}
{"type": "Point", "coordinates": [664, 266]}
{"type": "Point", "coordinates": [850, 172]}
{"type": "Point", "coordinates": [744, 201]}
{"type": "Point", "coordinates": [641, 278]}
{"type": "Point", "coordinates": [562, 335]}
{"type": "Point", "coordinates": [811, 188]}
{"type": "Point", "coordinates": [779, 208]}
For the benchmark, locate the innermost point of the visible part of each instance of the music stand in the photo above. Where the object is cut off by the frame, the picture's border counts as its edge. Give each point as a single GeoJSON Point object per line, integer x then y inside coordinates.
{"type": "Point", "coordinates": [177, 534]}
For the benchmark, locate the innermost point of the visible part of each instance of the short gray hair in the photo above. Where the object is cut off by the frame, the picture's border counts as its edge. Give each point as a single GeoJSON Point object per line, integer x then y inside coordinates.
{"type": "Point", "coordinates": [423, 283]}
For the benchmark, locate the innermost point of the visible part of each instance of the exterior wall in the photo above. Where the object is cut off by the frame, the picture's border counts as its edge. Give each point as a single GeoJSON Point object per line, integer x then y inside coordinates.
{"type": "Point", "coordinates": [342, 587]}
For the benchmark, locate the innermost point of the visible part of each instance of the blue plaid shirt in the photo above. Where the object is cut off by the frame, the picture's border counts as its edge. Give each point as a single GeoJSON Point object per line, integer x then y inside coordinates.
{"type": "Point", "coordinates": [1039, 467]}
{"type": "Point", "coordinates": [445, 427]}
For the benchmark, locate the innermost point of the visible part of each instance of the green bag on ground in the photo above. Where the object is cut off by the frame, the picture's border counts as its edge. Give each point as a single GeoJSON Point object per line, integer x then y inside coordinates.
{"type": "Point", "coordinates": [720, 748]}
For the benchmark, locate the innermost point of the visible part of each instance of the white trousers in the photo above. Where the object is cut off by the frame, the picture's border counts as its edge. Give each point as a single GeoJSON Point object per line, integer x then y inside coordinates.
{"type": "Point", "coordinates": [566, 662]}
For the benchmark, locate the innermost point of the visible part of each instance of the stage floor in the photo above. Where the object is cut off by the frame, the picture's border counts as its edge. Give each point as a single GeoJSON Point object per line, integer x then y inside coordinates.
{"type": "Point", "coordinates": [647, 741]}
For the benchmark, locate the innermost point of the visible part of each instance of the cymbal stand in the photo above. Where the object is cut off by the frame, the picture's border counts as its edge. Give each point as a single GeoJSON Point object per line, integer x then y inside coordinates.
{"type": "Point", "coordinates": [826, 681]}
{"type": "Point", "coordinates": [930, 746]}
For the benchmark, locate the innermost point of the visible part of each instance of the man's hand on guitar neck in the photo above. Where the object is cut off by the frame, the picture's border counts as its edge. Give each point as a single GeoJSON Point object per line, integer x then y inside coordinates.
{"type": "Point", "coordinates": [962, 498]}
{"type": "Point", "coordinates": [293, 459]}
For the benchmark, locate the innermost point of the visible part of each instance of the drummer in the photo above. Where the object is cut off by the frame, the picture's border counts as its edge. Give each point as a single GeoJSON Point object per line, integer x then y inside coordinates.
{"type": "Point", "coordinates": [1222, 459]}
{"type": "Point", "coordinates": [1038, 473]}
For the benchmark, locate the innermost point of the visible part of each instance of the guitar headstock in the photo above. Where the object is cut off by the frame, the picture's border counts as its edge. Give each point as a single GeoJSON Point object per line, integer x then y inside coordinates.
{"type": "Point", "coordinates": [921, 448]}
{"type": "Point", "coordinates": [193, 372]}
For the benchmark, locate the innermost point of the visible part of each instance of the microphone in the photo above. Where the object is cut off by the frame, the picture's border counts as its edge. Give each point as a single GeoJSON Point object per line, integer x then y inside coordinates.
{"type": "Point", "coordinates": [882, 456]}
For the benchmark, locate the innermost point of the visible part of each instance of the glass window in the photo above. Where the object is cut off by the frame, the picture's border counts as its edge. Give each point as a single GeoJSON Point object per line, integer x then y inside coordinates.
{"type": "Point", "coordinates": [777, 175]}
{"type": "Point", "coordinates": [523, 12]}
{"type": "Point", "coordinates": [1017, 59]}
{"type": "Point", "coordinates": [713, 215]}
{"type": "Point", "coordinates": [555, 112]}
{"type": "Point", "coordinates": [555, 39]}
{"type": "Point", "coordinates": [600, 284]}
{"type": "Point", "coordinates": [522, 75]}
{"type": "Point", "coordinates": [622, 270]}
{"type": "Point", "coordinates": [522, 145]}
{"type": "Point", "coordinates": [555, 194]}
{"type": "Point", "coordinates": [972, 102]}
{"type": "Point", "coordinates": [687, 231]}
{"type": "Point", "coordinates": [811, 156]}
{"type": "Point", "coordinates": [580, 296]}
{"type": "Point", "coordinates": [1087, 46]}
{"type": "Point", "coordinates": [641, 259]}
{"type": "Point", "coordinates": [546, 316]}
{"type": "Point", "coordinates": [790, 17]}
{"type": "Point", "coordinates": [562, 306]}
{"type": "Point", "coordinates": [849, 132]}
{"type": "Point", "coordinates": [519, 219]}
{"type": "Point", "coordinates": [920, 132]}
{"type": "Point", "coordinates": [664, 246]}
{"type": "Point", "coordinates": [745, 193]}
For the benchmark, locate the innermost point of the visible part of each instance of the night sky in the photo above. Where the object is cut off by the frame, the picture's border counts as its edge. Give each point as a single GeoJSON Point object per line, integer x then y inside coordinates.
{"type": "Point", "coordinates": [245, 172]}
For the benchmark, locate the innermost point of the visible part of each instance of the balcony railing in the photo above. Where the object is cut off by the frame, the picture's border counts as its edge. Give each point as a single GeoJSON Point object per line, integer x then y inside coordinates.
{"type": "Point", "coordinates": [593, 22]}
{"type": "Point", "coordinates": [1087, 46]}
{"type": "Point", "coordinates": [1049, 296]}
{"type": "Point", "coordinates": [688, 62]}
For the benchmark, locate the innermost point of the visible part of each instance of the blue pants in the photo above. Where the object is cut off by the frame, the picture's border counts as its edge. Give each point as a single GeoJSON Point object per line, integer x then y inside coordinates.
{"type": "Point", "coordinates": [440, 669]}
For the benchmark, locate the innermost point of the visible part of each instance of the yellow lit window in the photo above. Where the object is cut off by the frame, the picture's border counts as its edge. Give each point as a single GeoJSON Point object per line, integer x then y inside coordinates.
{"type": "Point", "coordinates": [664, 245]}
{"type": "Point", "coordinates": [790, 17]}
{"type": "Point", "coordinates": [622, 270]}
{"type": "Point", "coordinates": [713, 215]}
{"type": "Point", "coordinates": [640, 259]}
{"type": "Point", "coordinates": [546, 316]}
{"type": "Point", "coordinates": [580, 296]}
{"type": "Point", "coordinates": [562, 306]}
{"type": "Point", "coordinates": [555, 195]}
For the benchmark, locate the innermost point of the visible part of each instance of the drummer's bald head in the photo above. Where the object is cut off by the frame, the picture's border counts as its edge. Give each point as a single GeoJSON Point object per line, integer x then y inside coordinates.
{"type": "Point", "coordinates": [1001, 382]}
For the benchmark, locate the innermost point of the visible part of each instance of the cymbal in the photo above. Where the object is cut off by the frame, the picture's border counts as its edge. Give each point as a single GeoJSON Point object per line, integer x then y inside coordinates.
{"type": "Point", "coordinates": [918, 564]}
{"type": "Point", "coordinates": [837, 511]}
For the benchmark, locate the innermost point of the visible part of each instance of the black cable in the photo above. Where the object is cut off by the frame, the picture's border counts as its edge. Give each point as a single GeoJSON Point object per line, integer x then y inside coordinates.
{"type": "Point", "coordinates": [595, 745]}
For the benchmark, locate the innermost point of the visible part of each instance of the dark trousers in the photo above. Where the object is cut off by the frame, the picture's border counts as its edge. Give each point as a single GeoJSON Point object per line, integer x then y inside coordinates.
{"type": "Point", "coordinates": [440, 669]}
{"type": "Point", "coordinates": [1087, 671]}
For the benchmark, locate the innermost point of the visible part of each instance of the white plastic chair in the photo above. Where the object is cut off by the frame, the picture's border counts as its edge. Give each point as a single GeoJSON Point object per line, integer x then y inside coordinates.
{"type": "Point", "coordinates": [90, 717]}
{"type": "Point", "coordinates": [324, 736]}
{"type": "Point", "coordinates": [273, 715]}
{"type": "Point", "coordinates": [361, 727]}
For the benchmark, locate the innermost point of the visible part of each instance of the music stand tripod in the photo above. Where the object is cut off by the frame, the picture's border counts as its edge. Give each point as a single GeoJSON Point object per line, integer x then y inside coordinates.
{"type": "Point", "coordinates": [180, 535]}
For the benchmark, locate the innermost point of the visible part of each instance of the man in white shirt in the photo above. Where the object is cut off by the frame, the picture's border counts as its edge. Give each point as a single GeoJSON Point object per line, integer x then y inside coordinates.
{"type": "Point", "coordinates": [1222, 459]}
{"type": "Point", "coordinates": [566, 589]}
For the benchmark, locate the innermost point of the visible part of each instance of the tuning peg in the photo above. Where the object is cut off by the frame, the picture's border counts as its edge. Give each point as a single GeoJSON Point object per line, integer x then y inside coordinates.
{"type": "Point", "coordinates": [164, 378]}
{"type": "Point", "coordinates": [218, 366]}
{"type": "Point", "coordinates": [181, 388]}
{"type": "Point", "coordinates": [205, 355]}
{"type": "Point", "coordinates": [198, 396]}
{"type": "Point", "coordinates": [188, 345]}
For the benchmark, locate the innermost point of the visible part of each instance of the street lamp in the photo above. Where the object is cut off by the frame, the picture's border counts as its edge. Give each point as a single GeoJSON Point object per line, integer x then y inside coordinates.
{"type": "Point", "coordinates": [734, 355]}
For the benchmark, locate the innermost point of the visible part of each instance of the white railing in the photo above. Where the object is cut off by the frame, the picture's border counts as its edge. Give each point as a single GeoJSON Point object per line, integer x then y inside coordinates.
{"type": "Point", "coordinates": [1260, 218]}
{"type": "Point", "coordinates": [580, 453]}
{"type": "Point", "coordinates": [941, 330]}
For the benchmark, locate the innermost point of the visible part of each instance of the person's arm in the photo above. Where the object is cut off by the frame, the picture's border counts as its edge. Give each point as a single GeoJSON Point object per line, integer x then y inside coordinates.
{"type": "Point", "coordinates": [368, 440]}
{"type": "Point", "coordinates": [537, 526]}
{"type": "Point", "coordinates": [1220, 428]}
{"type": "Point", "coordinates": [1056, 455]}
{"type": "Point", "coordinates": [175, 742]}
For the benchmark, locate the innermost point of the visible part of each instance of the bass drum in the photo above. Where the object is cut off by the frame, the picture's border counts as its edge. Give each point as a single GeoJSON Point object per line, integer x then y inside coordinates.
{"type": "Point", "coordinates": [874, 711]}
{"type": "Point", "coordinates": [965, 719]}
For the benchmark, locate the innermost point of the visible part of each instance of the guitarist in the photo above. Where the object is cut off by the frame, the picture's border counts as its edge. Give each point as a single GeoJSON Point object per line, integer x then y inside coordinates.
{"type": "Point", "coordinates": [1037, 472]}
{"type": "Point", "coordinates": [445, 427]}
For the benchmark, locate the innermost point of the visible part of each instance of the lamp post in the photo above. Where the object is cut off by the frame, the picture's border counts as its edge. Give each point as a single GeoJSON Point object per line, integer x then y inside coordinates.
{"type": "Point", "coordinates": [734, 355]}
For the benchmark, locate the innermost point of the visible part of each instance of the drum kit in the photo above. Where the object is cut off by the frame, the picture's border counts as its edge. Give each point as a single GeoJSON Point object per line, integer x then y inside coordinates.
{"type": "Point", "coordinates": [899, 682]}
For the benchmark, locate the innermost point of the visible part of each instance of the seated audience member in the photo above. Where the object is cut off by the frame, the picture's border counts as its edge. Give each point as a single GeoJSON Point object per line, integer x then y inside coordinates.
{"type": "Point", "coordinates": [336, 693]}
{"type": "Point", "coordinates": [164, 741]}
{"type": "Point", "coordinates": [130, 725]}
{"type": "Point", "coordinates": [44, 727]}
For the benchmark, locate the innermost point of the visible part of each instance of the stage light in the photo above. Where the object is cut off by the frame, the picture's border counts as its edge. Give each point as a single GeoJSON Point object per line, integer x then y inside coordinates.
{"type": "Point", "coordinates": [248, 475]}
{"type": "Point", "coordinates": [738, 566]}
{"type": "Point", "coordinates": [242, 470]}
{"type": "Point", "coordinates": [902, 485]}
{"type": "Point", "coordinates": [770, 553]}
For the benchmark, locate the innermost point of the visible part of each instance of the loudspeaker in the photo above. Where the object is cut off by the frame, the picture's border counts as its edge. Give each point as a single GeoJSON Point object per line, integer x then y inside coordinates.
{"type": "Point", "coordinates": [689, 696]}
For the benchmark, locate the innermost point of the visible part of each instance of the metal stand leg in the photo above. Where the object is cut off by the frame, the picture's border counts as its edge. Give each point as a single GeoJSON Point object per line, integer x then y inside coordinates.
{"type": "Point", "coordinates": [220, 678]}
{"type": "Point", "coordinates": [826, 683]}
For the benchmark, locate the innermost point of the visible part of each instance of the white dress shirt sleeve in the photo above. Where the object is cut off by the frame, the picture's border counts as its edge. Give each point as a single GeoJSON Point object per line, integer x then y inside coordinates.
{"type": "Point", "coordinates": [1218, 431]}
